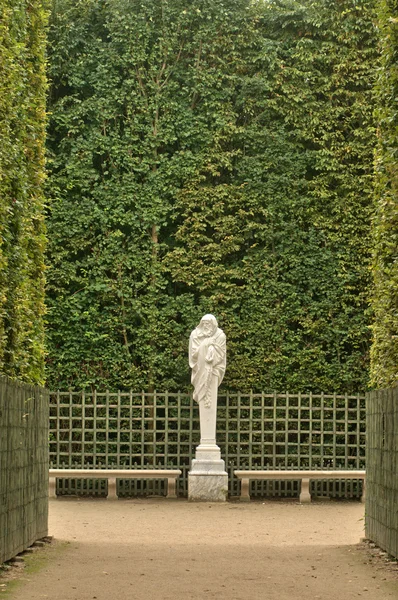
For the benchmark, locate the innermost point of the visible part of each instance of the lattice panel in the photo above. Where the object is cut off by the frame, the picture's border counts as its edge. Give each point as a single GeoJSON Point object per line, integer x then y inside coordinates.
{"type": "Point", "coordinates": [382, 470]}
{"type": "Point", "coordinates": [138, 430]}
{"type": "Point", "coordinates": [23, 466]}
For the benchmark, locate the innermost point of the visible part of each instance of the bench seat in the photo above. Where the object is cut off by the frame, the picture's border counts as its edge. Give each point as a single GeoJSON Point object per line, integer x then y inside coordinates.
{"type": "Point", "coordinates": [112, 474]}
{"type": "Point", "coordinates": [294, 475]}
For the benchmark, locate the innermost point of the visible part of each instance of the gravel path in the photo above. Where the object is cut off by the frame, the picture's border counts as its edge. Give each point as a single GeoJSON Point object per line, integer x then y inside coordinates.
{"type": "Point", "coordinates": [161, 549]}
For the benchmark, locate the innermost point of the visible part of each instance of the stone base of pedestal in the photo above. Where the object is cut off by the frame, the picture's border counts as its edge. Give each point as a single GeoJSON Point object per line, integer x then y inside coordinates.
{"type": "Point", "coordinates": [207, 487]}
{"type": "Point", "coordinates": [207, 479]}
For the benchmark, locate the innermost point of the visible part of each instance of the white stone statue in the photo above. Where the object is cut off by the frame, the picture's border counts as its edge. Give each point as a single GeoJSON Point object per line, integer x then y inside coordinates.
{"type": "Point", "coordinates": [207, 359]}
{"type": "Point", "coordinates": [207, 479]}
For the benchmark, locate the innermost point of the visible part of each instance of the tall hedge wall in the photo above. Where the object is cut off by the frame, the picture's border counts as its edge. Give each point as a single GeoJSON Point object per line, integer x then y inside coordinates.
{"type": "Point", "coordinates": [384, 354]}
{"type": "Point", "coordinates": [210, 156]}
{"type": "Point", "coordinates": [22, 232]}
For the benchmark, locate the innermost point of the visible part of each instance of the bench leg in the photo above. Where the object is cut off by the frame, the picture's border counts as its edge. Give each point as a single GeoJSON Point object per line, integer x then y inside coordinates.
{"type": "Point", "coordinates": [363, 497]}
{"type": "Point", "coordinates": [52, 487]}
{"type": "Point", "coordinates": [171, 488]}
{"type": "Point", "coordinates": [244, 490]}
{"type": "Point", "coordinates": [112, 489]}
{"type": "Point", "coordinates": [305, 495]}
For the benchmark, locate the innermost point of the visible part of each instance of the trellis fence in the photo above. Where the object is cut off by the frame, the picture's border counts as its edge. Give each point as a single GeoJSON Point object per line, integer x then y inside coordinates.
{"type": "Point", "coordinates": [23, 466]}
{"type": "Point", "coordinates": [381, 520]}
{"type": "Point", "coordinates": [141, 430]}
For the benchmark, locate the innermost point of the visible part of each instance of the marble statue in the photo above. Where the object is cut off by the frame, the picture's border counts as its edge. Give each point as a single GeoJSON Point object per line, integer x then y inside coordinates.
{"type": "Point", "coordinates": [207, 359]}
{"type": "Point", "coordinates": [207, 479]}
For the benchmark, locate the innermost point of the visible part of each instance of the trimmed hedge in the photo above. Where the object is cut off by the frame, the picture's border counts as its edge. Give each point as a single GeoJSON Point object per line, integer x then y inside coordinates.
{"type": "Point", "coordinates": [384, 352]}
{"type": "Point", "coordinates": [22, 231]}
{"type": "Point", "coordinates": [210, 156]}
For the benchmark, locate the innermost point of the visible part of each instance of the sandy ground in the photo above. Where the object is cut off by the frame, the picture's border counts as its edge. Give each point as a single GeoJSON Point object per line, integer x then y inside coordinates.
{"type": "Point", "coordinates": [162, 549]}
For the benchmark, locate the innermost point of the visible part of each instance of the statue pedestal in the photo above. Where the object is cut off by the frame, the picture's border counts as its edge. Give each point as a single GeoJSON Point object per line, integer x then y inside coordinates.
{"type": "Point", "coordinates": [207, 479]}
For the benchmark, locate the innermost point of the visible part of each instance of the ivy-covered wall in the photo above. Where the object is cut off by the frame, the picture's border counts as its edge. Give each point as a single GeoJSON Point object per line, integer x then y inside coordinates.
{"type": "Point", "coordinates": [210, 156]}
{"type": "Point", "coordinates": [22, 232]}
{"type": "Point", "coordinates": [384, 352]}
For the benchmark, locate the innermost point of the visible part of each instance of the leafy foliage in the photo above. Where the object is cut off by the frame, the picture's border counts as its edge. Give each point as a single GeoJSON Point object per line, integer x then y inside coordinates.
{"type": "Point", "coordinates": [22, 232]}
{"type": "Point", "coordinates": [210, 156]}
{"type": "Point", "coordinates": [384, 352]}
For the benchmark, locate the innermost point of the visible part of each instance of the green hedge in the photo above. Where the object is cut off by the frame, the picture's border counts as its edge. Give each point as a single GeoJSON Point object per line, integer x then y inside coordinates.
{"type": "Point", "coordinates": [210, 156]}
{"type": "Point", "coordinates": [22, 232]}
{"type": "Point", "coordinates": [384, 353]}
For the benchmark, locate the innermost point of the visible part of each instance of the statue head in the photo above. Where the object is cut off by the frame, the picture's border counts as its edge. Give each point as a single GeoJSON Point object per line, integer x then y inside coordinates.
{"type": "Point", "coordinates": [208, 325]}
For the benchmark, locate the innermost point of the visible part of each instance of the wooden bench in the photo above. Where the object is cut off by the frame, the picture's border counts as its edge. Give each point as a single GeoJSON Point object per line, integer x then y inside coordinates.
{"type": "Point", "coordinates": [111, 475]}
{"type": "Point", "coordinates": [304, 476]}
